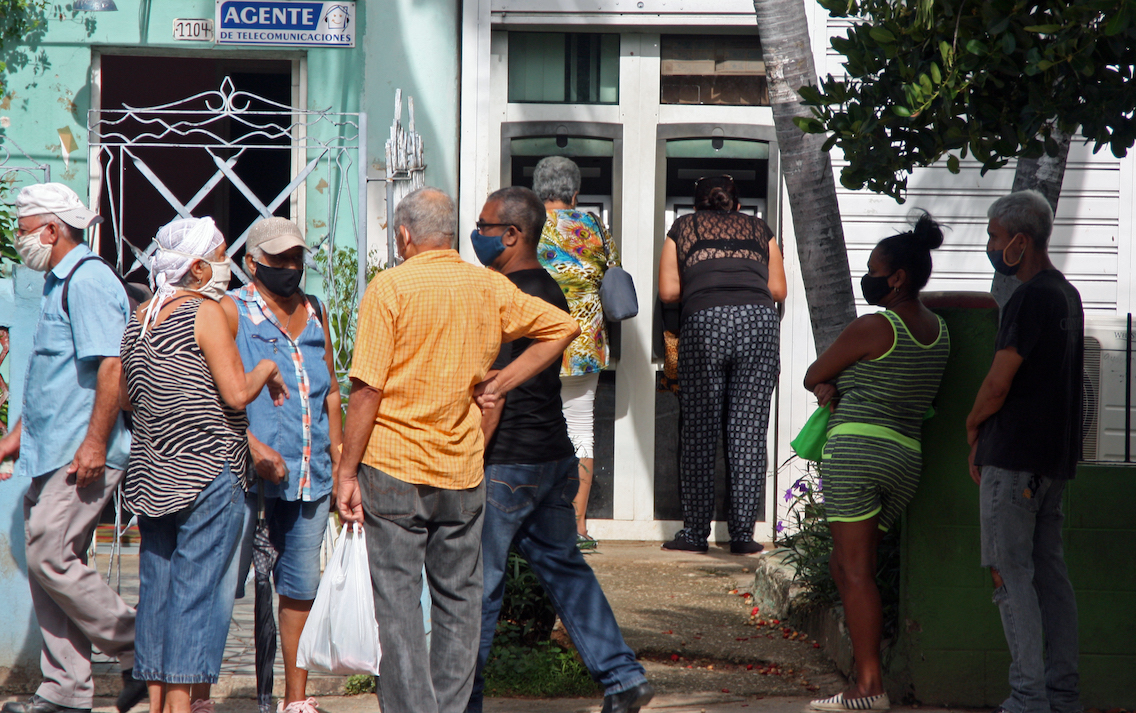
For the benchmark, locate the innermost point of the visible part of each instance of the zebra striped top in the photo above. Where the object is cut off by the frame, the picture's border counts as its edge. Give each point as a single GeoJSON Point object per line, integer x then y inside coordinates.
{"type": "Point", "coordinates": [895, 390]}
{"type": "Point", "coordinates": [184, 434]}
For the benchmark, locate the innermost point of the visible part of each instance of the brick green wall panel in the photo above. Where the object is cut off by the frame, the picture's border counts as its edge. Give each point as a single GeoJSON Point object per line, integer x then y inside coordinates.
{"type": "Point", "coordinates": [951, 650]}
{"type": "Point", "coordinates": [1109, 678]}
{"type": "Point", "coordinates": [950, 676]}
{"type": "Point", "coordinates": [1098, 557]}
{"type": "Point", "coordinates": [947, 555]}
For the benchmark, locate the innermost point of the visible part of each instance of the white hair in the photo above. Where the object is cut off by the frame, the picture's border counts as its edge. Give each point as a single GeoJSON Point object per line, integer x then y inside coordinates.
{"type": "Point", "coordinates": [556, 178]}
{"type": "Point", "coordinates": [1026, 212]}
{"type": "Point", "coordinates": [428, 214]}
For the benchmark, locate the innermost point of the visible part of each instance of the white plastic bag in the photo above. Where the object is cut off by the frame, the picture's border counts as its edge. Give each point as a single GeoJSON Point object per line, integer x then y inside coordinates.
{"type": "Point", "coordinates": [341, 635]}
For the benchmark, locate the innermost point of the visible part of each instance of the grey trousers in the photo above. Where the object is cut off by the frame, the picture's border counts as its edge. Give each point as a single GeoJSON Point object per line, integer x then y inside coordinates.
{"type": "Point", "coordinates": [407, 526]}
{"type": "Point", "coordinates": [75, 607]}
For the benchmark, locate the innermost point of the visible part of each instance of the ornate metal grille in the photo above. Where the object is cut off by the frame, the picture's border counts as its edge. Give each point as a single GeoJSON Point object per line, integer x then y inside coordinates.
{"type": "Point", "coordinates": [328, 178]}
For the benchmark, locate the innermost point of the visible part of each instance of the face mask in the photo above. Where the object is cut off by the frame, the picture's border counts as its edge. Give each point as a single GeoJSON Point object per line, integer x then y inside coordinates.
{"type": "Point", "coordinates": [874, 288]}
{"type": "Point", "coordinates": [998, 260]}
{"type": "Point", "coordinates": [218, 284]}
{"type": "Point", "coordinates": [33, 253]}
{"type": "Point", "coordinates": [487, 247]}
{"type": "Point", "coordinates": [283, 281]}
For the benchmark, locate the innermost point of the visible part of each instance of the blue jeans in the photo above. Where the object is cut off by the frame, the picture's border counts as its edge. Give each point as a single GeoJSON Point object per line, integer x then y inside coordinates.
{"type": "Point", "coordinates": [186, 586]}
{"type": "Point", "coordinates": [296, 529]}
{"type": "Point", "coordinates": [408, 526]}
{"type": "Point", "coordinates": [530, 507]}
{"type": "Point", "coordinates": [1021, 538]}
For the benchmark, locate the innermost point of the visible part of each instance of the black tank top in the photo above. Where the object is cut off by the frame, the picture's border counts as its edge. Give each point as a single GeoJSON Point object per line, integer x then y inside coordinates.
{"type": "Point", "coordinates": [723, 259]}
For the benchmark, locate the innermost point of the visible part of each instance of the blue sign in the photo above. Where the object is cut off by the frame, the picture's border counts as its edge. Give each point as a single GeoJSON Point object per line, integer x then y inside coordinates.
{"type": "Point", "coordinates": [286, 22]}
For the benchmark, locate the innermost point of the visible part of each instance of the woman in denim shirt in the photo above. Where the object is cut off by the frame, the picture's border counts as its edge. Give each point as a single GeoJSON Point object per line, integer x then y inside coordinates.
{"type": "Point", "coordinates": [294, 448]}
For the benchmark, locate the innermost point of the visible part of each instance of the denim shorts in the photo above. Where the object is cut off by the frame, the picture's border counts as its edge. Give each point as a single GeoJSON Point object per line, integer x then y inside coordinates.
{"type": "Point", "coordinates": [186, 586]}
{"type": "Point", "coordinates": [296, 530]}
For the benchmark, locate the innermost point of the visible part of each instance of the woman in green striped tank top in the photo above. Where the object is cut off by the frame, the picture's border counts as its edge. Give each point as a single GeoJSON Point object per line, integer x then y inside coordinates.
{"type": "Point", "coordinates": [880, 376]}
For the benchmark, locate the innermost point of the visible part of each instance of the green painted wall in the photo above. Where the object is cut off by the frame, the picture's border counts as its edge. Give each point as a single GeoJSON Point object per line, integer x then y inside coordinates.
{"type": "Point", "coordinates": [951, 649]}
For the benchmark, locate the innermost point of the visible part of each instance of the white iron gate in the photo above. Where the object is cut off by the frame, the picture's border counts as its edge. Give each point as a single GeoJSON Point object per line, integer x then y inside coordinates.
{"type": "Point", "coordinates": [328, 174]}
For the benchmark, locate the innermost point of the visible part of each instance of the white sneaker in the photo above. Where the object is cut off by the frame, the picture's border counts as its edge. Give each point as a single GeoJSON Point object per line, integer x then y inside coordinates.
{"type": "Point", "coordinates": [840, 703]}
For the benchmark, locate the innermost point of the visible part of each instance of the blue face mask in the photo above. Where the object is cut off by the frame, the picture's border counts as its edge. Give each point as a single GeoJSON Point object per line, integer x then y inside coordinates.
{"type": "Point", "coordinates": [998, 260]}
{"type": "Point", "coordinates": [487, 247]}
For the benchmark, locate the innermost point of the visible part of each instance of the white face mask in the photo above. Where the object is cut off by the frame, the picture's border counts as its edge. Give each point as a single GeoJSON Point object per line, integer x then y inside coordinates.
{"type": "Point", "coordinates": [218, 284]}
{"type": "Point", "coordinates": [34, 254]}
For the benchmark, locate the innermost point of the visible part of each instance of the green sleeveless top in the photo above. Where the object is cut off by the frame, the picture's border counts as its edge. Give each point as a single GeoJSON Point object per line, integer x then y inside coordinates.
{"type": "Point", "coordinates": [893, 391]}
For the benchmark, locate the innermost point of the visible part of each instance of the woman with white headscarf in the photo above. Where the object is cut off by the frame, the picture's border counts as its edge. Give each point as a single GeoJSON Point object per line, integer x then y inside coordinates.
{"type": "Point", "coordinates": [187, 389]}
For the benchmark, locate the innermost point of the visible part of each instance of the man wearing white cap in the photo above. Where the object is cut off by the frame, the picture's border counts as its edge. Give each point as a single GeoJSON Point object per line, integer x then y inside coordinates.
{"type": "Point", "coordinates": [70, 440]}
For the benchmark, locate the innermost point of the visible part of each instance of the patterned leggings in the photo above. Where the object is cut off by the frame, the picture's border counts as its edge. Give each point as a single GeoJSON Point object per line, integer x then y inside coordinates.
{"type": "Point", "coordinates": [728, 363]}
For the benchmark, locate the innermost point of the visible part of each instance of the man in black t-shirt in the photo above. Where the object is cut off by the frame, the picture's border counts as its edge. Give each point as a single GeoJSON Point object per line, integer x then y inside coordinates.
{"type": "Point", "coordinates": [1025, 436]}
{"type": "Point", "coordinates": [531, 477]}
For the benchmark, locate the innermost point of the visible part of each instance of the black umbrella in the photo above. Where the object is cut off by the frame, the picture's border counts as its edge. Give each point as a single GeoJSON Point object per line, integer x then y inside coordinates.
{"type": "Point", "coordinates": [264, 556]}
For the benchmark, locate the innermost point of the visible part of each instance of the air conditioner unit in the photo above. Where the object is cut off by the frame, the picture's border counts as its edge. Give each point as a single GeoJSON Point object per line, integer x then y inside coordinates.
{"type": "Point", "coordinates": [1106, 373]}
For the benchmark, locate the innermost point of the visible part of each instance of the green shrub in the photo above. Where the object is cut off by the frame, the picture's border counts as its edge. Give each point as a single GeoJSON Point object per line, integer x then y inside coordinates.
{"type": "Point", "coordinates": [524, 661]}
{"type": "Point", "coordinates": [359, 683]}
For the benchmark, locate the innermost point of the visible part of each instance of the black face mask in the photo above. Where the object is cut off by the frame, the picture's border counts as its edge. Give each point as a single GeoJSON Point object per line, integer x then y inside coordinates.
{"type": "Point", "coordinates": [874, 288]}
{"type": "Point", "coordinates": [283, 281]}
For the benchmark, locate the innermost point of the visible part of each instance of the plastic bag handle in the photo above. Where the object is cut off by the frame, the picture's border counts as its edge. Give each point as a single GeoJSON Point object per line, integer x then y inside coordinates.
{"type": "Point", "coordinates": [357, 531]}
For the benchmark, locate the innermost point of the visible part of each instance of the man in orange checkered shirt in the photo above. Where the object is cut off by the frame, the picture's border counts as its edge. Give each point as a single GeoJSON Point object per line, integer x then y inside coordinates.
{"type": "Point", "coordinates": [411, 469]}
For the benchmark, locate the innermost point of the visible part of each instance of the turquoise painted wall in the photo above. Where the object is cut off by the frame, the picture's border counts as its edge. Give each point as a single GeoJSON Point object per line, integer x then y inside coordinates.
{"type": "Point", "coordinates": [408, 44]}
{"type": "Point", "coordinates": [19, 636]}
{"type": "Point", "coordinates": [413, 44]}
{"type": "Point", "coordinates": [951, 649]}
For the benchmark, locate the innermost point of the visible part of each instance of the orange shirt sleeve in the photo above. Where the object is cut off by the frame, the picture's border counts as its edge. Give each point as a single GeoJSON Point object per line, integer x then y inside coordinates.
{"type": "Point", "coordinates": [523, 315]}
{"type": "Point", "coordinates": [374, 337]}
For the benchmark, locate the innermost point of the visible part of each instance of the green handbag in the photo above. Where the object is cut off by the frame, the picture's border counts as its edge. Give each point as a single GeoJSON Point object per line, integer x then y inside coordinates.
{"type": "Point", "coordinates": [809, 443]}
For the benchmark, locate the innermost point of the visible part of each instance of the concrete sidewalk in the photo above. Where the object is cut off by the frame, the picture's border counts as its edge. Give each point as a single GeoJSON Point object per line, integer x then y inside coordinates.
{"type": "Point", "coordinates": [672, 703]}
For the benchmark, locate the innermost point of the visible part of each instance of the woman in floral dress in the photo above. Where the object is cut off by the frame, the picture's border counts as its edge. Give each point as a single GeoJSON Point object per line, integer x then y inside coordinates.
{"type": "Point", "coordinates": [577, 249]}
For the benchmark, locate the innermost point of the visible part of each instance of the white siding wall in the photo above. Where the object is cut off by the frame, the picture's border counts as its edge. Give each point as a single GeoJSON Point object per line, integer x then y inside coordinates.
{"type": "Point", "coordinates": [1091, 241]}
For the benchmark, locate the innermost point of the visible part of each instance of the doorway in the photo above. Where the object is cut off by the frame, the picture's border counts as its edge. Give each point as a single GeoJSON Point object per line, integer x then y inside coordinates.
{"type": "Point", "coordinates": [133, 81]}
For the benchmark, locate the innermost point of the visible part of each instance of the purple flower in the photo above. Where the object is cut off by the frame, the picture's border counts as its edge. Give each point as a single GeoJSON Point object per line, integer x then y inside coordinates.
{"type": "Point", "coordinates": [820, 483]}
{"type": "Point", "coordinates": [789, 494]}
{"type": "Point", "coordinates": [780, 526]}
{"type": "Point", "coordinates": [802, 486]}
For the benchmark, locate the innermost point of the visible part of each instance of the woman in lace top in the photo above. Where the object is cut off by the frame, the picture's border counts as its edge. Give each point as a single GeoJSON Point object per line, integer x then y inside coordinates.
{"type": "Point", "coordinates": [725, 269]}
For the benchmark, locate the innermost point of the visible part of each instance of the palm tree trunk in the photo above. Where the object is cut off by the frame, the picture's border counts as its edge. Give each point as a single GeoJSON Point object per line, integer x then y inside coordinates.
{"type": "Point", "coordinates": [1045, 175]}
{"type": "Point", "coordinates": [788, 55]}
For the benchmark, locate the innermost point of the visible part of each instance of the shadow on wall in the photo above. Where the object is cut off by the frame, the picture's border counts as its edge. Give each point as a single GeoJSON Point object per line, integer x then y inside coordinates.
{"type": "Point", "coordinates": [19, 669]}
{"type": "Point", "coordinates": [19, 631]}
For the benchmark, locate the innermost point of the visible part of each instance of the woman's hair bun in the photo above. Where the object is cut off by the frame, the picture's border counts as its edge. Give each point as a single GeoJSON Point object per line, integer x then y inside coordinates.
{"type": "Point", "coordinates": [927, 234]}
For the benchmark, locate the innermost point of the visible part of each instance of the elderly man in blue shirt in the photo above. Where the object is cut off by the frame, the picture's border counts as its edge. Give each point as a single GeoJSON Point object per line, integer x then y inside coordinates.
{"type": "Point", "coordinates": [71, 442]}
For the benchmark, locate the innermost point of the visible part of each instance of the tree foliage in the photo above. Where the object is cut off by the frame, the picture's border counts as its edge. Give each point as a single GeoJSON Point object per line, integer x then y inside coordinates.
{"type": "Point", "coordinates": [995, 78]}
{"type": "Point", "coordinates": [18, 19]}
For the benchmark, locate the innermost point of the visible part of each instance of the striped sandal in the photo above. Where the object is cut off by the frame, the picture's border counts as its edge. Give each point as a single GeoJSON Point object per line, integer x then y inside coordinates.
{"type": "Point", "coordinates": [840, 703]}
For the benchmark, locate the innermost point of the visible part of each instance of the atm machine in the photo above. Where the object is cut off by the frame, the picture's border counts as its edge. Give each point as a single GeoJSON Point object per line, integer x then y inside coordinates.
{"type": "Point", "coordinates": [597, 149]}
{"type": "Point", "coordinates": [683, 160]}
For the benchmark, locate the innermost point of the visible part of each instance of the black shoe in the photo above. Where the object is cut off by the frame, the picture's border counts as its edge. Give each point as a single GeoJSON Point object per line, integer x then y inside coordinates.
{"type": "Point", "coordinates": [745, 548]}
{"type": "Point", "coordinates": [629, 701]}
{"type": "Point", "coordinates": [39, 705]}
{"type": "Point", "coordinates": [682, 545]}
{"type": "Point", "coordinates": [133, 692]}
